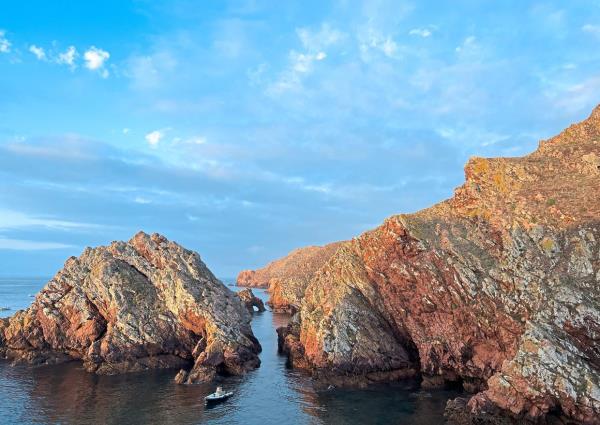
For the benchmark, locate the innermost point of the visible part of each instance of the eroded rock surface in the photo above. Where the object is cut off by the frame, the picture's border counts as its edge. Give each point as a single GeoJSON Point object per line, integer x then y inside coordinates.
{"type": "Point", "coordinates": [143, 304]}
{"type": "Point", "coordinates": [288, 277]}
{"type": "Point", "coordinates": [497, 288]}
{"type": "Point", "coordinates": [250, 300]}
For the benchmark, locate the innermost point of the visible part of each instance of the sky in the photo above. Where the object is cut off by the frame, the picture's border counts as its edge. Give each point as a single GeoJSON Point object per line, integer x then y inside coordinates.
{"type": "Point", "coordinates": [244, 129]}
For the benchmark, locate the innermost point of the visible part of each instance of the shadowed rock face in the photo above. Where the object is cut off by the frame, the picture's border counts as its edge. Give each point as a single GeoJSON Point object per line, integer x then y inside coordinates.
{"type": "Point", "coordinates": [288, 277]}
{"type": "Point", "coordinates": [147, 303]}
{"type": "Point", "coordinates": [497, 288]}
{"type": "Point", "coordinates": [250, 300]}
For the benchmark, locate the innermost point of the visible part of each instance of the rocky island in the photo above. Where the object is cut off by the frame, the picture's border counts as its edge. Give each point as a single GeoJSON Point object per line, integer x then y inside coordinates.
{"type": "Point", "coordinates": [497, 289]}
{"type": "Point", "coordinates": [131, 306]}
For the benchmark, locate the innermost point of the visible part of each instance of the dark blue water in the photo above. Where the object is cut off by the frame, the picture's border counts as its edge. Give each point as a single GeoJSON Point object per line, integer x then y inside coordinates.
{"type": "Point", "coordinates": [272, 394]}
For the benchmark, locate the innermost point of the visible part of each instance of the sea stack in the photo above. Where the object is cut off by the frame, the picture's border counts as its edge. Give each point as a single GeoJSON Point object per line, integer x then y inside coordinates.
{"type": "Point", "coordinates": [497, 288]}
{"type": "Point", "coordinates": [251, 301]}
{"type": "Point", "coordinates": [131, 306]}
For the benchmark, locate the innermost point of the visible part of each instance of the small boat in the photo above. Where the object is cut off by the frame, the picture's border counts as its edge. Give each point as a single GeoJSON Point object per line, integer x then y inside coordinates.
{"type": "Point", "coordinates": [218, 396]}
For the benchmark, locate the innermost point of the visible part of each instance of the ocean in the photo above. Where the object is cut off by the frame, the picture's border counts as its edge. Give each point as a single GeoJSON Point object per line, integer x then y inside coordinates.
{"type": "Point", "coordinates": [272, 394]}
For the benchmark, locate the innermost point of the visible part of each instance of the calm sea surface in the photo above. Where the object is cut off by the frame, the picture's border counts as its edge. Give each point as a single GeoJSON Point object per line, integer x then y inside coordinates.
{"type": "Point", "coordinates": [272, 394]}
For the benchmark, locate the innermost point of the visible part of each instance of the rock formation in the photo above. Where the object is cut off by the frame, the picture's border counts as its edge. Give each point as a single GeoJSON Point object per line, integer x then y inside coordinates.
{"type": "Point", "coordinates": [497, 288]}
{"type": "Point", "coordinates": [147, 303]}
{"type": "Point", "coordinates": [288, 277]}
{"type": "Point", "coordinates": [250, 300]}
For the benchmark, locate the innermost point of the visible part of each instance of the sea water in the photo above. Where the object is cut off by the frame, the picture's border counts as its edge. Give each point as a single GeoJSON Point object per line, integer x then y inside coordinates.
{"type": "Point", "coordinates": [272, 394]}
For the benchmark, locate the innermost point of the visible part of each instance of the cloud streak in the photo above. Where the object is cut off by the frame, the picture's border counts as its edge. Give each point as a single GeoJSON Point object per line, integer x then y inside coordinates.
{"type": "Point", "coordinates": [10, 219]}
{"type": "Point", "coordinates": [25, 245]}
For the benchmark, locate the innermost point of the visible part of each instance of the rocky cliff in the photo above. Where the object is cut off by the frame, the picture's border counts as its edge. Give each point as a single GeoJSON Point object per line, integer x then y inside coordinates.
{"type": "Point", "coordinates": [497, 288]}
{"type": "Point", "coordinates": [288, 277]}
{"type": "Point", "coordinates": [147, 303]}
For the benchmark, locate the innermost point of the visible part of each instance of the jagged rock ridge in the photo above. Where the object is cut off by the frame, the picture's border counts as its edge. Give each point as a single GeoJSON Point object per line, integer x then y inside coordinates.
{"type": "Point", "coordinates": [147, 303]}
{"type": "Point", "coordinates": [497, 288]}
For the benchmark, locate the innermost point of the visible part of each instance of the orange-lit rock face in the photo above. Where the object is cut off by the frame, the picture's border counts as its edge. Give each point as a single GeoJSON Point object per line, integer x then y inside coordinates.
{"type": "Point", "coordinates": [147, 303]}
{"type": "Point", "coordinates": [498, 287]}
{"type": "Point", "coordinates": [287, 277]}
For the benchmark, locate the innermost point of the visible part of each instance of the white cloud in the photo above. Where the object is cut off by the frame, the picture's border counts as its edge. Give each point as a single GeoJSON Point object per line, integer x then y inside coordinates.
{"type": "Point", "coordinates": [320, 56]}
{"type": "Point", "coordinates": [126, 130]}
{"type": "Point", "coordinates": [591, 29]}
{"type": "Point", "coordinates": [68, 57]}
{"type": "Point", "coordinates": [421, 32]}
{"type": "Point", "coordinates": [95, 59]}
{"type": "Point", "coordinates": [4, 43]}
{"type": "Point", "coordinates": [24, 245]}
{"type": "Point", "coordinates": [142, 200]}
{"type": "Point", "coordinates": [38, 52]}
{"type": "Point", "coordinates": [154, 137]}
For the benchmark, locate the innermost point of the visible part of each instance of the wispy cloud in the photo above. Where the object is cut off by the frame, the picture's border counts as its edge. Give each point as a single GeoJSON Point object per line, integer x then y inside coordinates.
{"type": "Point", "coordinates": [373, 39]}
{"type": "Point", "coordinates": [591, 29]}
{"type": "Point", "coordinates": [4, 43]}
{"type": "Point", "coordinates": [38, 52]}
{"type": "Point", "coordinates": [421, 32]}
{"type": "Point", "coordinates": [10, 219]}
{"type": "Point", "coordinates": [68, 57]}
{"type": "Point", "coordinates": [142, 200]}
{"type": "Point", "coordinates": [301, 64]}
{"type": "Point", "coordinates": [25, 245]}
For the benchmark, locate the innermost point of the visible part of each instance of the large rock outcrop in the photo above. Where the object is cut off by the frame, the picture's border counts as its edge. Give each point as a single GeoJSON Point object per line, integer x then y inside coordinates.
{"type": "Point", "coordinates": [147, 303]}
{"type": "Point", "coordinates": [497, 288]}
{"type": "Point", "coordinates": [288, 277]}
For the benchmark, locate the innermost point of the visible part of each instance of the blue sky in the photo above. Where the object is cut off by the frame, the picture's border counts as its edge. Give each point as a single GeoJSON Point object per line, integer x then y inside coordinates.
{"type": "Point", "coordinates": [244, 129]}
